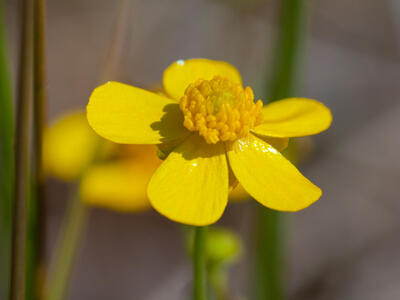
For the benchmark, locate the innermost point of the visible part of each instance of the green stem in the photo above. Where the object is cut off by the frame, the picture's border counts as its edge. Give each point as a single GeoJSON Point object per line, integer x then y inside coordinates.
{"type": "Point", "coordinates": [7, 161]}
{"type": "Point", "coordinates": [39, 110]}
{"type": "Point", "coordinates": [31, 273]}
{"type": "Point", "coordinates": [199, 263]}
{"type": "Point", "coordinates": [269, 256]}
{"type": "Point", "coordinates": [18, 256]}
{"type": "Point", "coordinates": [65, 251]}
{"type": "Point", "coordinates": [37, 211]}
{"type": "Point", "coordinates": [289, 48]}
{"type": "Point", "coordinates": [269, 260]}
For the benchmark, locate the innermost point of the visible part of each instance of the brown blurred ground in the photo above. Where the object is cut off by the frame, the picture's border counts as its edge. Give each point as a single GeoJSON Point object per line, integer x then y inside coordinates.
{"type": "Point", "coordinates": [344, 247]}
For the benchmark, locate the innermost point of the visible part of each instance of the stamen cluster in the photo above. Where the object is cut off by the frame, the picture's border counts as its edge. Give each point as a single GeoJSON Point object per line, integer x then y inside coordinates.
{"type": "Point", "coordinates": [220, 109]}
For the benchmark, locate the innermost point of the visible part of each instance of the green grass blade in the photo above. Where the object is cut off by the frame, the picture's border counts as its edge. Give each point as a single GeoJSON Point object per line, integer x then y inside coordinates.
{"type": "Point", "coordinates": [6, 161]}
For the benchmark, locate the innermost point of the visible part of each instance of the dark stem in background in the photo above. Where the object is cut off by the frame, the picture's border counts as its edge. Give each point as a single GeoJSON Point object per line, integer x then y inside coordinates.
{"type": "Point", "coordinates": [37, 207]}
{"type": "Point", "coordinates": [6, 161]}
{"type": "Point", "coordinates": [18, 258]}
{"type": "Point", "coordinates": [269, 259]}
{"type": "Point", "coordinates": [199, 263]}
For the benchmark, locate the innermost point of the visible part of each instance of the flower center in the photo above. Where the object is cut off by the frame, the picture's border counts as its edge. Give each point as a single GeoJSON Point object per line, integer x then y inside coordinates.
{"type": "Point", "coordinates": [220, 110]}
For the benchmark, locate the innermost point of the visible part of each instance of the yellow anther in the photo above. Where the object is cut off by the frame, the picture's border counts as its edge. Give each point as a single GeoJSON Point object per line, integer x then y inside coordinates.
{"type": "Point", "coordinates": [220, 110]}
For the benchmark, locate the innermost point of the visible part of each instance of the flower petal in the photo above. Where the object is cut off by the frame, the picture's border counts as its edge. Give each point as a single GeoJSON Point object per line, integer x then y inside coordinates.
{"type": "Point", "coordinates": [129, 115]}
{"type": "Point", "coordinates": [69, 146]}
{"type": "Point", "coordinates": [119, 186]}
{"type": "Point", "coordinates": [279, 144]}
{"type": "Point", "coordinates": [238, 193]}
{"type": "Point", "coordinates": [294, 117]}
{"type": "Point", "coordinates": [181, 73]}
{"type": "Point", "coordinates": [269, 177]}
{"type": "Point", "coordinates": [191, 185]}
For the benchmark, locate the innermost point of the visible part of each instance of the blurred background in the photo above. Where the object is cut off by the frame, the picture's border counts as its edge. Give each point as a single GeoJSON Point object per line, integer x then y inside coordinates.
{"type": "Point", "coordinates": [346, 246]}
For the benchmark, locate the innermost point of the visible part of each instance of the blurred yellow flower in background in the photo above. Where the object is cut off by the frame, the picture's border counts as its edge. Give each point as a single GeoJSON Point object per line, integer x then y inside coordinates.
{"type": "Point", "coordinates": [213, 134]}
{"type": "Point", "coordinates": [111, 175]}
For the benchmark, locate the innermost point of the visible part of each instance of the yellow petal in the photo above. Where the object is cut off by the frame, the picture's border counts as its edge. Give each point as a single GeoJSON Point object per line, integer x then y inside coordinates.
{"type": "Point", "coordinates": [181, 73]}
{"type": "Point", "coordinates": [165, 149]}
{"type": "Point", "coordinates": [294, 117]}
{"type": "Point", "coordinates": [269, 177]}
{"type": "Point", "coordinates": [121, 185]}
{"type": "Point", "coordinates": [69, 146]}
{"type": "Point", "coordinates": [191, 185]}
{"type": "Point", "coordinates": [129, 115]}
{"type": "Point", "coordinates": [278, 143]}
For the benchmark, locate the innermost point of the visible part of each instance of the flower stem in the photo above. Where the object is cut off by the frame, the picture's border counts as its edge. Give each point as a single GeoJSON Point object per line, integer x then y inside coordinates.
{"type": "Point", "coordinates": [7, 161]}
{"type": "Point", "coordinates": [36, 205]}
{"type": "Point", "coordinates": [39, 116]}
{"type": "Point", "coordinates": [291, 38]}
{"type": "Point", "coordinates": [199, 263]}
{"type": "Point", "coordinates": [269, 256]}
{"type": "Point", "coordinates": [19, 221]}
{"type": "Point", "coordinates": [269, 242]}
{"type": "Point", "coordinates": [66, 248]}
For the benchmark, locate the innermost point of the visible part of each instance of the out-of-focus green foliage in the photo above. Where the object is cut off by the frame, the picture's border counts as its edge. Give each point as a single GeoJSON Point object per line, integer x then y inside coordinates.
{"type": "Point", "coordinates": [223, 248]}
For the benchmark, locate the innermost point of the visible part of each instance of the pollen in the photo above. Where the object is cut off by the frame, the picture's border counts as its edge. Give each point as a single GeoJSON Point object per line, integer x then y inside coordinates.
{"type": "Point", "coordinates": [220, 110]}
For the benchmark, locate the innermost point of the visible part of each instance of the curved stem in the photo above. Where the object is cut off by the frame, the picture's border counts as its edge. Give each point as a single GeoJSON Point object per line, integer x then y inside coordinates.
{"type": "Point", "coordinates": [62, 261]}
{"type": "Point", "coordinates": [199, 264]}
{"type": "Point", "coordinates": [66, 249]}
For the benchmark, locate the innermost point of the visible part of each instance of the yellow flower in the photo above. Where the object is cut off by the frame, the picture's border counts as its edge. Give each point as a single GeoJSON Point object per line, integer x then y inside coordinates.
{"type": "Point", "coordinates": [111, 176]}
{"type": "Point", "coordinates": [213, 134]}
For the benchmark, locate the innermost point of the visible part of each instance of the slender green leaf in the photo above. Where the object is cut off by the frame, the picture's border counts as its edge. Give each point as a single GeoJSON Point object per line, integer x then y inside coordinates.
{"type": "Point", "coordinates": [6, 161]}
